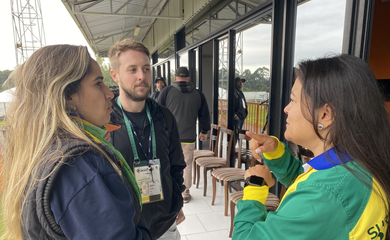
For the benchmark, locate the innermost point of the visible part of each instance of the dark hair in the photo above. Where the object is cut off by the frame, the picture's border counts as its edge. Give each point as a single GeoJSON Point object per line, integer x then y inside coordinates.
{"type": "Point", "coordinates": [360, 125]}
{"type": "Point", "coordinates": [74, 87]}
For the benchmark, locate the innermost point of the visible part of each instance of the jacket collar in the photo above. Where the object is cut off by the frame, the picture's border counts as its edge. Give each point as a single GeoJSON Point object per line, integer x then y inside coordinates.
{"type": "Point", "coordinates": [329, 159]}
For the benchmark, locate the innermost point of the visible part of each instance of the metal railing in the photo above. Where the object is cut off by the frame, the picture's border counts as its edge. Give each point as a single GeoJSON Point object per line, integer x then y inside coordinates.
{"type": "Point", "coordinates": [254, 122]}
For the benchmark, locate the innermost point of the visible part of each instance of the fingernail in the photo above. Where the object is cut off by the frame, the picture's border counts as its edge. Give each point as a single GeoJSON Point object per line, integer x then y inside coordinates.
{"type": "Point", "coordinates": [258, 151]}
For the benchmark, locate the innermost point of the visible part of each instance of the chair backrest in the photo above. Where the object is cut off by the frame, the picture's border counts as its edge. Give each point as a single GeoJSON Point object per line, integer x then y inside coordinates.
{"type": "Point", "coordinates": [213, 145]}
{"type": "Point", "coordinates": [226, 139]}
{"type": "Point", "coordinates": [244, 153]}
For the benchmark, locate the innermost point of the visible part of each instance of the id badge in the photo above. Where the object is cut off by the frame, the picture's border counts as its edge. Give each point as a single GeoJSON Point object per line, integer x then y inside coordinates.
{"type": "Point", "coordinates": [243, 103]}
{"type": "Point", "coordinates": [148, 176]}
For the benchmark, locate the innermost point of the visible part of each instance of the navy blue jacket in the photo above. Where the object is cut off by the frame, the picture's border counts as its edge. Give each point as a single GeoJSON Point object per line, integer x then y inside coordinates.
{"type": "Point", "coordinates": [83, 198]}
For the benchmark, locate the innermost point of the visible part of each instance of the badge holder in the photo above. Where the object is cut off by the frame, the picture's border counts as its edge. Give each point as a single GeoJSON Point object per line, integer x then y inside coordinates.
{"type": "Point", "coordinates": [148, 176]}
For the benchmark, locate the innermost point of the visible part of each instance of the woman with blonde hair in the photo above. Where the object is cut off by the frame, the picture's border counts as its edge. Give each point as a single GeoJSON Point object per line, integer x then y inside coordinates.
{"type": "Point", "coordinates": [337, 111]}
{"type": "Point", "coordinates": [61, 178]}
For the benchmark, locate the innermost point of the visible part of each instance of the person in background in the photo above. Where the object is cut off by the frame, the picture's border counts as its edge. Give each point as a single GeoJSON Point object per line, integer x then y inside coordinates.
{"type": "Point", "coordinates": [337, 111]}
{"type": "Point", "coordinates": [187, 105]}
{"type": "Point", "coordinates": [240, 106]}
{"type": "Point", "coordinates": [61, 178]}
{"type": "Point", "coordinates": [148, 139]}
{"type": "Point", "coordinates": [160, 84]}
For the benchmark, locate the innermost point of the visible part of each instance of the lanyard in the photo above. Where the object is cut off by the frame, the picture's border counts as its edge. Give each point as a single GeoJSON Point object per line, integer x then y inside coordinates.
{"type": "Point", "coordinates": [131, 132]}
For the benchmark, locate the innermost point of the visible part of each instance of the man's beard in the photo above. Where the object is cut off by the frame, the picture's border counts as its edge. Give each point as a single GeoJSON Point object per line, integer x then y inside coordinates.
{"type": "Point", "coordinates": [133, 95]}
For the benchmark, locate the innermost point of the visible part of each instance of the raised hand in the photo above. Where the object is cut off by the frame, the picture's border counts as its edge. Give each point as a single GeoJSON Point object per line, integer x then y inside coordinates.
{"type": "Point", "coordinates": [261, 143]}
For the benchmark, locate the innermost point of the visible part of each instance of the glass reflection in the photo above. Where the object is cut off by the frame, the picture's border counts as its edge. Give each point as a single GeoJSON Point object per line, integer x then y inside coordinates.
{"type": "Point", "coordinates": [223, 82]}
{"type": "Point", "coordinates": [253, 60]}
{"type": "Point", "coordinates": [319, 29]}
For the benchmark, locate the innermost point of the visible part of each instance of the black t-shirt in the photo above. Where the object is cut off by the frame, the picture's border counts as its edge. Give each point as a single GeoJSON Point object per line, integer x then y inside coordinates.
{"type": "Point", "coordinates": [140, 120]}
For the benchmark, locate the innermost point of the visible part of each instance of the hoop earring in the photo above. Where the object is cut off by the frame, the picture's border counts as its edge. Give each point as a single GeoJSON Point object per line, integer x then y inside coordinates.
{"type": "Point", "coordinates": [320, 126]}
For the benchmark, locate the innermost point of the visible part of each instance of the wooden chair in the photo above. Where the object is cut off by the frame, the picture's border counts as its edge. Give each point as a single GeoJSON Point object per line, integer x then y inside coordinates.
{"type": "Point", "coordinates": [244, 153]}
{"type": "Point", "coordinates": [232, 174]}
{"type": "Point", "coordinates": [211, 152]}
{"type": "Point", "coordinates": [210, 163]}
{"type": "Point", "coordinates": [271, 204]}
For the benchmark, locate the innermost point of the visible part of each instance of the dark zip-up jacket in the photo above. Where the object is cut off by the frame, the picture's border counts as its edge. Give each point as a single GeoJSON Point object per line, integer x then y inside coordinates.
{"type": "Point", "coordinates": [239, 100]}
{"type": "Point", "coordinates": [155, 95]}
{"type": "Point", "coordinates": [159, 215]}
{"type": "Point", "coordinates": [84, 198]}
{"type": "Point", "coordinates": [187, 104]}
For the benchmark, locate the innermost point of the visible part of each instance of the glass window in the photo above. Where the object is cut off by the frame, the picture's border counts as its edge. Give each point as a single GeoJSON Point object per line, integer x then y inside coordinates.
{"type": "Point", "coordinates": [192, 36]}
{"type": "Point", "coordinates": [163, 70]}
{"type": "Point", "coordinates": [319, 29]}
{"type": "Point", "coordinates": [154, 74]}
{"type": "Point", "coordinates": [172, 70]}
{"type": "Point", "coordinates": [183, 59]}
{"type": "Point", "coordinates": [253, 60]}
{"type": "Point", "coordinates": [166, 50]}
{"type": "Point", "coordinates": [196, 68]}
{"type": "Point", "coordinates": [223, 82]}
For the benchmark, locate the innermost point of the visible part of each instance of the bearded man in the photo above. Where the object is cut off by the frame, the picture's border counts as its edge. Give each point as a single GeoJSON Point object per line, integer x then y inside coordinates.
{"type": "Point", "coordinates": [148, 139]}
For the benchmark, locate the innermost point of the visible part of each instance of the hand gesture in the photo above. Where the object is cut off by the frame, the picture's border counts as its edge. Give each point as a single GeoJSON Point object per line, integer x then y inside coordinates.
{"type": "Point", "coordinates": [261, 143]}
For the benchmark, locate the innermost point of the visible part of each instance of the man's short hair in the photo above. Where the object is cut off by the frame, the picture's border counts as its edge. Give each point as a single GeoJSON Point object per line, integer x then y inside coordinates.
{"type": "Point", "coordinates": [182, 72]}
{"type": "Point", "coordinates": [123, 46]}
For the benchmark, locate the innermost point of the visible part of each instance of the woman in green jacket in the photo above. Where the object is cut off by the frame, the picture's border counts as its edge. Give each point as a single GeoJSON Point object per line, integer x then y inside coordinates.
{"type": "Point", "coordinates": [337, 111]}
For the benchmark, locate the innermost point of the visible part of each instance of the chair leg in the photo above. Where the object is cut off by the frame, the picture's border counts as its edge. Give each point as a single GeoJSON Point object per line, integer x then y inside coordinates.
{"type": "Point", "coordinates": [204, 181]}
{"type": "Point", "coordinates": [226, 197]}
{"type": "Point", "coordinates": [194, 170]}
{"type": "Point", "coordinates": [238, 186]}
{"type": "Point", "coordinates": [214, 190]}
{"type": "Point", "coordinates": [198, 176]}
{"type": "Point", "coordinates": [232, 215]}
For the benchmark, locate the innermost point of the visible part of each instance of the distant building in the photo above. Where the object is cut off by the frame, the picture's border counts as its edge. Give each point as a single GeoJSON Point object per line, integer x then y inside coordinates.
{"type": "Point", "coordinates": [5, 99]}
{"type": "Point", "coordinates": [256, 97]}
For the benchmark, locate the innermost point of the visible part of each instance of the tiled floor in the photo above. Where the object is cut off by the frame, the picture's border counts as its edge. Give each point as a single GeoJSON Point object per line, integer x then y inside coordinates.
{"type": "Point", "coordinates": [203, 220]}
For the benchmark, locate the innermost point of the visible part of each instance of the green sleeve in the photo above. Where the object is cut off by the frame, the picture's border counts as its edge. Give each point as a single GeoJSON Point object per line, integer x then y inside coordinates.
{"type": "Point", "coordinates": [309, 213]}
{"type": "Point", "coordinates": [286, 168]}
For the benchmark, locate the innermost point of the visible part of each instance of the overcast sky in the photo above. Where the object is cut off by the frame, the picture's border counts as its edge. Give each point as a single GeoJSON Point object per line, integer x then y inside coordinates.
{"type": "Point", "coordinates": [58, 24]}
{"type": "Point", "coordinates": [319, 32]}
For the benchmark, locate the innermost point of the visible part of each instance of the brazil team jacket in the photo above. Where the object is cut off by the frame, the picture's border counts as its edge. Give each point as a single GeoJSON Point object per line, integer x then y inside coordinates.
{"type": "Point", "coordinates": [325, 202]}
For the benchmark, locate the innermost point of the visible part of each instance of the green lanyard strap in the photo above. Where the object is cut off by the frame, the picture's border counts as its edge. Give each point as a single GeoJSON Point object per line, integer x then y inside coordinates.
{"type": "Point", "coordinates": [131, 133]}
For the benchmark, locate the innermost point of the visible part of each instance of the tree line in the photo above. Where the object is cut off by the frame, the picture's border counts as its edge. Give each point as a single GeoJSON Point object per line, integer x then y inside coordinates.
{"type": "Point", "coordinates": [3, 77]}
{"type": "Point", "coordinates": [258, 81]}
{"type": "Point", "coordinates": [105, 70]}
